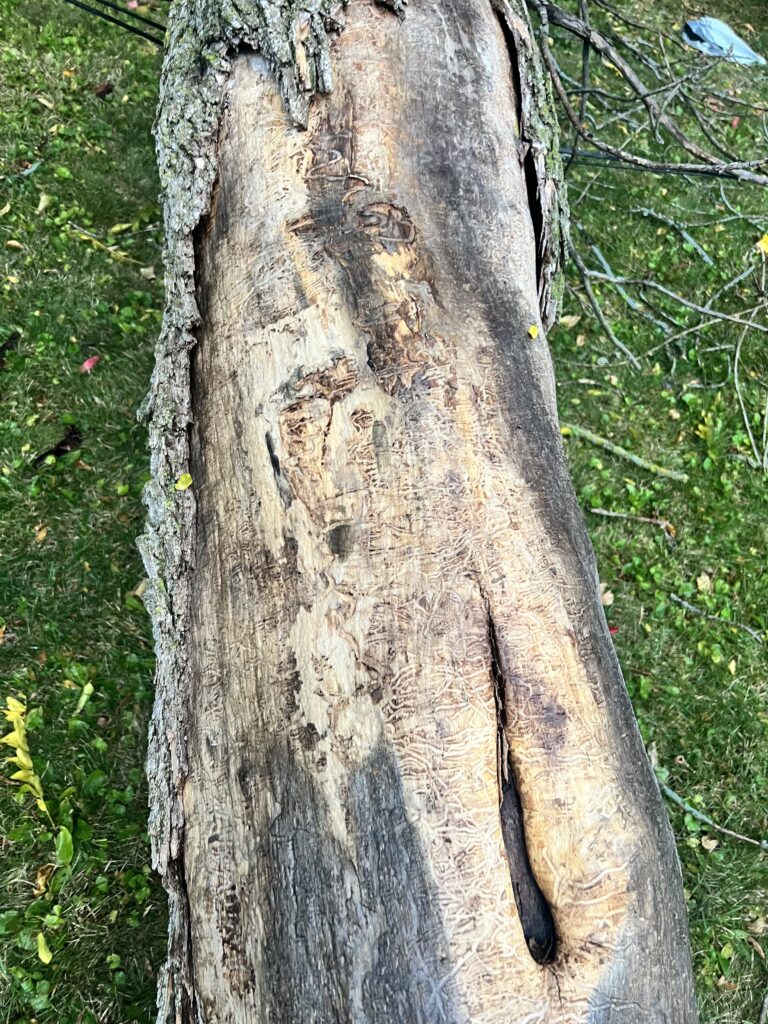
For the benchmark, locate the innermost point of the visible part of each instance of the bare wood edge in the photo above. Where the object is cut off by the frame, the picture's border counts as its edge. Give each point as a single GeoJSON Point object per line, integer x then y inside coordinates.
{"type": "Point", "coordinates": [203, 37]}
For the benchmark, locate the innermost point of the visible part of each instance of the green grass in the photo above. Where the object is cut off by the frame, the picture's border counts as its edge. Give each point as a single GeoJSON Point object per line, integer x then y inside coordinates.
{"type": "Point", "coordinates": [699, 687]}
{"type": "Point", "coordinates": [77, 282]}
{"type": "Point", "coordinates": [71, 625]}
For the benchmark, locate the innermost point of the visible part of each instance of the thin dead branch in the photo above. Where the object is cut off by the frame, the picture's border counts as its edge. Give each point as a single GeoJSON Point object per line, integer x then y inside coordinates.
{"type": "Point", "coordinates": [716, 618]}
{"type": "Point", "coordinates": [761, 844]}
{"type": "Point", "coordinates": [602, 442]}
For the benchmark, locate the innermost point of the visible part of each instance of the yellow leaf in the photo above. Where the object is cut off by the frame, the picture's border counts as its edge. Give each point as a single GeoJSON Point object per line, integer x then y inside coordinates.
{"type": "Point", "coordinates": [732, 666]}
{"type": "Point", "coordinates": [13, 243]}
{"type": "Point", "coordinates": [42, 949]}
{"type": "Point", "coordinates": [16, 705]}
{"type": "Point", "coordinates": [16, 739]}
{"type": "Point", "coordinates": [5, 209]}
{"type": "Point", "coordinates": [533, 330]}
{"type": "Point", "coordinates": [22, 758]}
{"type": "Point", "coordinates": [41, 534]}
{"type": "Point", "coordinates": [25, 775]}
{"type": "Point", "coordinates": [117, 229]}
{"type": "Point", "coordinates": [762, 245]}
{"type": "Point", "coordinates": [703, 583]}
{"type": "Point", "coordinates": [184, 481]}
{"type": "Point", "coordinates": [44, 203]}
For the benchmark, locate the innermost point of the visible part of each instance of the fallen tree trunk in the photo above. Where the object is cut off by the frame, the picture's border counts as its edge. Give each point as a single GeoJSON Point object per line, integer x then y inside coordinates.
{"type": "Point", "coordinates": [395, 773]}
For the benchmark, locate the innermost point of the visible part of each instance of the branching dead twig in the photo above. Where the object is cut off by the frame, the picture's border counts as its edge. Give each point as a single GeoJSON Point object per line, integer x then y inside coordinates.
{"type": "Point", "coordinates": [685, 235]}
{"type": "Point", "coordinates": [640, 282]}
{"type": "Point", "coordinates": [551, 13]}
{"type": "Point", "coordinates": [584, 273]}
{"type": "Point", "coordinates": [716, 618]}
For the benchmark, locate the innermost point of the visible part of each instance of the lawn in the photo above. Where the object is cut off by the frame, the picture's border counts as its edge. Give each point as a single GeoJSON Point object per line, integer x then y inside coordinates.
{"type": "Point", "coordinates": [82, 917]}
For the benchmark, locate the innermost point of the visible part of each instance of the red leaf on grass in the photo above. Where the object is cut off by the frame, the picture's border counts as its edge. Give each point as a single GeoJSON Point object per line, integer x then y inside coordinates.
{"type": "Point", "coordinates": [89, 364]}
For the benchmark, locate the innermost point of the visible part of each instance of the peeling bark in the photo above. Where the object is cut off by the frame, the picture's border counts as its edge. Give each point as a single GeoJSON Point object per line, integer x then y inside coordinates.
{"type": "Point", "coordinates": [394, 772]}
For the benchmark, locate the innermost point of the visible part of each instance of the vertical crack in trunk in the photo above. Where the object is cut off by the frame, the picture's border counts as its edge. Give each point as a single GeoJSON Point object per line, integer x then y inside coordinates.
{"type": "Point", "coordinates": [535, 915]}
{"type": "Point", "coordinates": [523, 144]}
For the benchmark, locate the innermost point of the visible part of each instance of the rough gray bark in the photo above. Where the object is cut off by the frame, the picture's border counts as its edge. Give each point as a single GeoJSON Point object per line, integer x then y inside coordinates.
{"type": "Point", "coordinates": [394, 772]}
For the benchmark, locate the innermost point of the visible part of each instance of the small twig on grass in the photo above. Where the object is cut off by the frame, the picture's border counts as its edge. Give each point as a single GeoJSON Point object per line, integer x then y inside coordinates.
{"type": "Point", "coordinates": [740, 397]}
{"type": "Point", "coordinates": [755, 634]}
{"type": "Point", "coordinates": [584, 273]}
{"type": "Point", "coordinates": [685, 235]}
{"type": "Point", "coordinates": [762, 844]}
{"type": "Point", "coordinates": [664, 524]}
{"type": "Point", "coordinates": [622, 453]}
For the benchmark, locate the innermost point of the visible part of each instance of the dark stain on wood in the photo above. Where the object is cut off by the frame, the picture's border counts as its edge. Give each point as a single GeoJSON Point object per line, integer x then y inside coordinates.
{"type": "Point", "coordinates": [316, 936]}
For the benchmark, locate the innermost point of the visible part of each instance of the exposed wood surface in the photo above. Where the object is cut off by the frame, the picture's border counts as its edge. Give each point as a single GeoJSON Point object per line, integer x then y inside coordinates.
{"type": "Point", "coordinates": [409, 749]}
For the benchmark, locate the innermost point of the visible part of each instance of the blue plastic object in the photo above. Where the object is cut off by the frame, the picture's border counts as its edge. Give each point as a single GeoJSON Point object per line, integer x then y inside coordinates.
{"type": "Point", "coordinates": [717, 39]}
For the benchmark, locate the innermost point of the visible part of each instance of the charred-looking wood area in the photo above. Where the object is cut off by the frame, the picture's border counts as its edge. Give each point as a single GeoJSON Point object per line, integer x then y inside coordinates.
{"type": "Point", "coordinates": [413, 789]}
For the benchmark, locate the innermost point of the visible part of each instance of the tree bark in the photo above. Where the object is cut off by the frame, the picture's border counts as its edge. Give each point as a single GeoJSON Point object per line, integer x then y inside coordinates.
{"type": "Point", "coordinates": [395, 773]}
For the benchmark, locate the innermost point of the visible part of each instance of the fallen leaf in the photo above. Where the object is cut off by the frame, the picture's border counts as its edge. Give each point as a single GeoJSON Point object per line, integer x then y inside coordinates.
{"type": "Point", "coordinates": [756, 946]}
{"type": "Point", "coordinates": [569, 321]}
{"type": "Point", "coordinates": [613, 630]}
{"type": "Point", "coordinates": [709, 843]}
{"type": "Point", "coordinates": [42, 877]}
{"type": "Point", "coordinates": [762, 245]}
{"type": "Point", "coordinates": [704, 583]}
{"type": "Point", "coordinates": [45, 103]}
{"type": "Point", "coordinates": [673, 414]}
{"type": "Point", "coordinates": [732, 666]}
{"type": "Point", "coordinates": [606, 596]}
{"type": "Point", "coordinates": [89, 364]}
{"type": "Point", "coordinates": [148, 273]}
{"type": "Point", "coordinates": [44, 203]}
{"type": "Point", "coordinates": [533, 330]}
{"type": "Point", "coordinates": [102, 90]}
{"type": "Point", "coordinates": [184, 481]}
{"type": "Point", "coordinates": [581, 341]}
{"type": "Point", "coordinates": [13, 243]}
{"type": "Point", "coordinates": [41, 532]}
{"type": "Point", "coordinates": [5, 209]}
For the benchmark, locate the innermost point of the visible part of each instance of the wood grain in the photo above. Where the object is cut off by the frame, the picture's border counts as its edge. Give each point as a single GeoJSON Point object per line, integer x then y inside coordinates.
{"type": "Point", "coordinates": [393, 583]}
